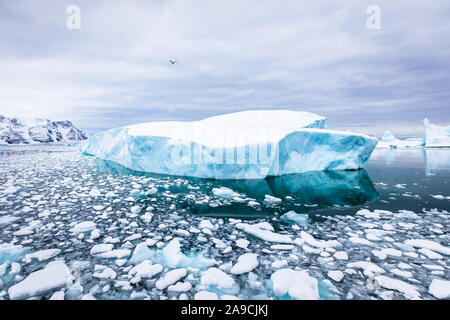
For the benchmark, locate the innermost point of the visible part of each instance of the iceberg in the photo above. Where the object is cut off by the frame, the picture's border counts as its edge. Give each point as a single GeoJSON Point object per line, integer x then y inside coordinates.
{"type": "Point", "coordinates": [243, 145]}
{"type": "Point", "coordinates": [389, 141]}
{"type": "Point", "coordinates": [436, 136]}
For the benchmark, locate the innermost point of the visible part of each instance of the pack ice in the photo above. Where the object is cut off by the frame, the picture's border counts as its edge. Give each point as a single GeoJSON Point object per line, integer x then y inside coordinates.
{"type": "Point", "coordinates": [436, 136]}
{"type": "Point", "coordinates": [243, 145]}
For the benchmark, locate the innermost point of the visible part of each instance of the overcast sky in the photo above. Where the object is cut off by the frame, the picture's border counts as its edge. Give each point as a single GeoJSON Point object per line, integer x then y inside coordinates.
{"type": "Point", "coordinates": [232, 55]}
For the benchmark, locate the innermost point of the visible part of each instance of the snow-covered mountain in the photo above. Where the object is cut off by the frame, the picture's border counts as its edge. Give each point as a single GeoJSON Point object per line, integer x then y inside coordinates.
{"type": "Point", "coordinates": [15, 131]}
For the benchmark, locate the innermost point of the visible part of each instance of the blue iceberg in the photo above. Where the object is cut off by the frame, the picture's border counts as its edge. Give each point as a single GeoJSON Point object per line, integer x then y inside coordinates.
{"type": "Point", "coordinates": [244, 145]}
{"type": "Point", "coordinates": [436, 136]}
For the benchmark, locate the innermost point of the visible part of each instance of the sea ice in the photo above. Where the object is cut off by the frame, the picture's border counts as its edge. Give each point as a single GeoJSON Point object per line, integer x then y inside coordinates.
{"type": "Point", "coordinates": [42, 255]}
{"type": "Point", "coordinates": [297, 284]}
{"type": "Point", "coordinates": [245, 263]}
{"type": "Point", "coordinates": [218, 278]}
{"type": "Point", "coordinates": [408, 290]}
{"type": "Point", "coordinates": [146, 269]}
{"type": "Point", "coordinates": [170, 278]}
{"type": "Point", "coordinates": [56, 274]}
{"type": "Point", "coordinates": [440, 288]}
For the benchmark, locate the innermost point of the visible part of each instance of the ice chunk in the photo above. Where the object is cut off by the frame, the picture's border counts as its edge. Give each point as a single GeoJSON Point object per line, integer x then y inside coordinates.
{"type": "Point", "coordinates": [170, 278]}
{"type": "Point", "coordinates": [43, 255]}
{"type": "Point", "coordinates": [206, 295]}
{"type": "Point", "coordinates": [369, 268]}
{"type": "Point", "coordinates": [56, 274]}
{"type": "Point", "coordinates": [389, 141]}
{"type": "Point", "coordinates": [223, 192]}
{"type": "Point", "coordinates": [318, 243]}
{"type": "Point", "coordinates": [146, 269]}
{"type": "Point", "coordinates": [436, 136]}
{"type": "Point", "coordinates": [100, 248]}
{"type": "Point", "coordinates": [297, 284]}
{"type": "Point", "coordinates": [336, 275]}
{"type": "Point", "coordinates": [428, 244]}
{"type": "Point", "coordinates": [265, 235]}
{"type": "Point", "coordinates": [440, 288]}
{"type": "Point", "coordinates": [271, 143]}
{"type": "Point", "coordinates": [245, 263]}
{"type": "Point", "coordinates": [172, 253]}
{"type": "Point", "coordinates": [408, 290]}
{"type": "Point", "coordinates": [218, 278]}
{"type": "Point", "coordinates": [85, 226]}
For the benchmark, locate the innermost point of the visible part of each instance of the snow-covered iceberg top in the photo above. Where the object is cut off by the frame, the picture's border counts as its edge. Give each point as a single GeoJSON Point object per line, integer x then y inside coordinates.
{"type": "Point", "coordinates": [390, 141]}
{"type": "Point", "coordinates": [436, 136]}
{"type": "Point", "coordinates": [244, 145]}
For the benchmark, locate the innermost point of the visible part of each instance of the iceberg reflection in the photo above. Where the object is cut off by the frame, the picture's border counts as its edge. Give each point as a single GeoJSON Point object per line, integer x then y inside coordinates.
{"type": "Point", "coordinates": [308, 192]}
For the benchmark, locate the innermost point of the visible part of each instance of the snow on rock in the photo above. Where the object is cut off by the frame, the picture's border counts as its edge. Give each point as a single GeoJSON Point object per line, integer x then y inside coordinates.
{"type": "Point", "coordinates": [440, 288]}
{"type": "Point", "coordinates": [25, 131]}
{"type": "Point", "coordinates": [56, 274]}
{"type": "Point", "coordinates": [297, 284]}
{"type": "Point", "coordinates": [436, 136]}
{"type": "Point", "coordinates": [298, 141]}
{"type": "Point", "coordinates": [170, 278]}
{"type": "Point", "coordinates": [408, 290]}
{"type": "Point", "coordinates": [216, 277]}
{"type": "Point", "coordinates": [245, 263]}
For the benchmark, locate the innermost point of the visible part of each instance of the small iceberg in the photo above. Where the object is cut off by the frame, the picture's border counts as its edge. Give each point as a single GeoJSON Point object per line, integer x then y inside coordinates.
{"type": "Point", "coordinates": [389, 141]}
{"type": "Point", "coordinates": [243, 145]}
{"type": "Point", "coordinates": [436, 136]}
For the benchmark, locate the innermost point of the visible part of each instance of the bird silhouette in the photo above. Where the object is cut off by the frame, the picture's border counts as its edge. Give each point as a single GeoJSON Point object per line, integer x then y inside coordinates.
{"type": "Point", "coordinates": [172, 62]}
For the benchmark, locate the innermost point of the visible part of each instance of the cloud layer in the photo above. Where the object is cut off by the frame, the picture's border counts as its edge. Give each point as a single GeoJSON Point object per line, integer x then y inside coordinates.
{"type": "Point", "coordinates": [232, 55]}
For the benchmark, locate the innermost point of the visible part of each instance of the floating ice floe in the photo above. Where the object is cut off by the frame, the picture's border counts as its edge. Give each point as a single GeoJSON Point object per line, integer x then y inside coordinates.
{"type": "Point", "coordinates": [263, 234]}
{"type": "Point", "coordinates": [266, 142]}
{"type": "Point", "coordinates": [56, 274]}
{"type": "Point", "coordinates": [440, 288]}
{"type": "Point", "coordinates": [297, 284]}
{"type": "Point", "coordinates": [390, 141]}
{"type": "Point", "coordinates": [436, 136]}
{"type": "Point", "coordinates": [245, 263]}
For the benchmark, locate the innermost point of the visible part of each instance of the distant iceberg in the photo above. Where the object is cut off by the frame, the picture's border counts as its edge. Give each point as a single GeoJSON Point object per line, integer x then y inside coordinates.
{"type": "Point", "coordinates": [436, 136]}
{"type": "Point", "coordinates": [244, 145]}
{"type": "Point", "coordinates": [390, 141]}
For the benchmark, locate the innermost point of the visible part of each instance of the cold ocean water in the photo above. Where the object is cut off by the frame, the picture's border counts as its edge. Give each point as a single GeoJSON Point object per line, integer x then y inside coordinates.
{"type": "Point", "coordinates": [73, 227]}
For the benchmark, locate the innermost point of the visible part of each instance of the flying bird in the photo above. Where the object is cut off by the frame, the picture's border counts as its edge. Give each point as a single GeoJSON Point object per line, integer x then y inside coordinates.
{"type": "Point", "coordinates": [172, 62]}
